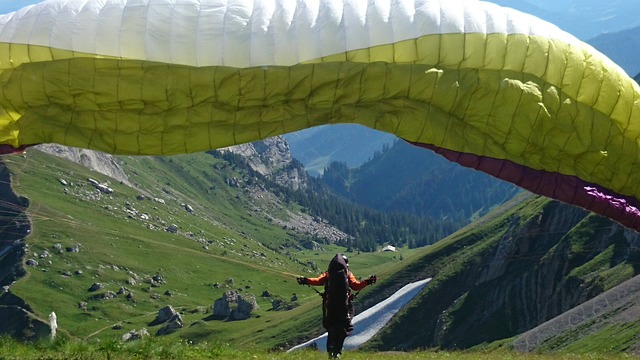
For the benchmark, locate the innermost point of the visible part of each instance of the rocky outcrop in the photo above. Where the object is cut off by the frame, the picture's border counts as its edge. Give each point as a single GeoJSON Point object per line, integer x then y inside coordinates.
{"type": "Point", "coordinates": [18, 320]}
{"type": "Point", "coordinates": [14, 227]}
{"type": "Point", "coordinates": [266, 156]}
{"type": "Point", "coordinates": [272, 158]}
{"type": "Point", "coordinates": [98, 161]}
{"type": "Point", "coordinates": [21, 324]}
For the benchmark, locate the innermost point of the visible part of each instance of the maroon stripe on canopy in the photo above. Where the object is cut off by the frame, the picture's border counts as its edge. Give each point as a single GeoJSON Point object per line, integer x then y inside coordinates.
{"type": "Point", "coordinates": [568, 189]}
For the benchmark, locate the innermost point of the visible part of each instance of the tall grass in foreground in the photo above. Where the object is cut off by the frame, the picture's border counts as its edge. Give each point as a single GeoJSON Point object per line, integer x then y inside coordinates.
{"type": "Point", "coordinates": [153, 348]}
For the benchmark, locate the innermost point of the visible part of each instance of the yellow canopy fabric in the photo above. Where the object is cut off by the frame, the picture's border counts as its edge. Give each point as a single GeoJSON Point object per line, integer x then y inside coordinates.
{"type": "Point", "coordinates": [165, 77]}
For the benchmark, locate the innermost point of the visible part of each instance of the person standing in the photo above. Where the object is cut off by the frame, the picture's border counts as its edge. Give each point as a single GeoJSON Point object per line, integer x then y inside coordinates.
{"type": "Point", "coordinates": [337, 301]}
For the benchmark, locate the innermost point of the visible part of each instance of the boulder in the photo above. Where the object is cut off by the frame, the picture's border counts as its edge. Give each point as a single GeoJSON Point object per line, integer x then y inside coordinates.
{"type": "Point", "coordinates": [173, 324]}
{"type": "Point", "coordinates": [222, 306]}
{"type": "Point", "coordinates": [246, 304]}
{"type": "Point", "coordinates": [165, 314]}
{"type": "Point", "coordinates": [95, 287]}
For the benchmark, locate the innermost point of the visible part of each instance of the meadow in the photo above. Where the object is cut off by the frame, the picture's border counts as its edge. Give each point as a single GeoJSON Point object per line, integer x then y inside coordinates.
{"type": "Point", "coordinates": [154, 348]}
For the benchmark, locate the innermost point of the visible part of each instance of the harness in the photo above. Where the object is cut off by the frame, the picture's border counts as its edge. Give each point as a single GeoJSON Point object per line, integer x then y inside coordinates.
{"type": "Point", "coordinates": [353, 296]}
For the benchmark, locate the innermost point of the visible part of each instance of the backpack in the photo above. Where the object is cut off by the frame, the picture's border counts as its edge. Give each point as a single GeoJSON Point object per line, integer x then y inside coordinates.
{"type": "Point", "coordinates": [337, 309]}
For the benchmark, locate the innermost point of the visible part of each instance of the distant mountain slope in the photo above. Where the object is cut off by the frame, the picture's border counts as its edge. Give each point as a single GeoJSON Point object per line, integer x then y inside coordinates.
{"type": "Point", "coordinates": [582, 18]}
{"type": "Point", "coordinates": [524, 264]}
{"type": "Point", "coordinates": [348, 143]}
{"type": "Point", "coordinates": [405, 178]}
{"type": "Point", "coordinates": [622, 47]}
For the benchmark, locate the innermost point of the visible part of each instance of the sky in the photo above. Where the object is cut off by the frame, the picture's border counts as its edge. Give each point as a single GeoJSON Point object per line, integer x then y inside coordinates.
{"type": "Point", "coordinates": [7, 6]}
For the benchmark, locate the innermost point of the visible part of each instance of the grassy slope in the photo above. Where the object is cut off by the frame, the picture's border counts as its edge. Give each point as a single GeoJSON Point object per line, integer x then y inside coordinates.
{"type": "Point", "coordinates": [220, 240]}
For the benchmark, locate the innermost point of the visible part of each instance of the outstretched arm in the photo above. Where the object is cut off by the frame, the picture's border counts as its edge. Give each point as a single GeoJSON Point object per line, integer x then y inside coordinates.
{"type": "Point", "coordinates": [320, 280]}
{"type": "Point", "coordinates": [356, 285]}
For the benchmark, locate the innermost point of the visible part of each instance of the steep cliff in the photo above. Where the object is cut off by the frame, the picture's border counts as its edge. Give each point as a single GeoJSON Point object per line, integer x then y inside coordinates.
{"type": "Point", "coordinates": [514, 271]}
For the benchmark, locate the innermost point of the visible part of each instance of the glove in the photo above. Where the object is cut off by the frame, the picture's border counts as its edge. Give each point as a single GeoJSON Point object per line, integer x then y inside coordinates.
{"type": "Point", "coordinates": [301, 280]}
{"type": "Point", "coordinates": [371, 280]}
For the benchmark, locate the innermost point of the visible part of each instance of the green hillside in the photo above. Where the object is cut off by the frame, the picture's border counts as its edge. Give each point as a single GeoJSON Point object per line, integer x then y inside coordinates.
{"type": "Point", "coordinates": [180, 223]}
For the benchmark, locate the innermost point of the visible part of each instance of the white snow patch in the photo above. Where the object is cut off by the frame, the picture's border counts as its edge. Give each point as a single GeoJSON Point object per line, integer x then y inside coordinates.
{"type": "Point", "coordinates": [370, 321]}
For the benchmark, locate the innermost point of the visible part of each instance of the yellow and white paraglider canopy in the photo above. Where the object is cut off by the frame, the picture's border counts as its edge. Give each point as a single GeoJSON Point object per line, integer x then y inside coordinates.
{"type": "Point", "coordinates": [489, 87]}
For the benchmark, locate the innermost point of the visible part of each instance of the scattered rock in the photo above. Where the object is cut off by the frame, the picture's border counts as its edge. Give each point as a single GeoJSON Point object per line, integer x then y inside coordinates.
{"type": "Point", "coordinates": [173, 228]}
{"type": "Point", "coordinates": [74, 248]}
{"type": "Point", "coordinates": [188, 208]}
{"type": "Point", "coordinates": [95, 287]}
{"type": "Point", "coordinates": [266, 293]}
{"type": "Point", "coordinates": [276, 304]}
{"type": "Point", "coordinates": [32, 262]}
{"type": "Point", "coordinates": [281, 305]}
{"type": "Point", "coordinates": [101, 187]}
{"type": "Point", "coordinates": [107, 295]}
{"type": "Point", "coordinates": [173, 324]}
{"type": "Point", "coordinates": [135, 335]}
{"type": "Point", "coordinates": [83, 306]}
